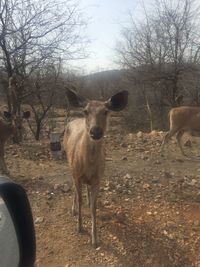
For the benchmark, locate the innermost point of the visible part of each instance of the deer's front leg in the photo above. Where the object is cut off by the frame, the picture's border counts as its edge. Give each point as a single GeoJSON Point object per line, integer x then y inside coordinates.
{"type": "Point", "coordinates": [2, 161]}
{"type": "Point", "coordinates": [94, 193]}
{"type": "Point", "coordinates": [78, 186]}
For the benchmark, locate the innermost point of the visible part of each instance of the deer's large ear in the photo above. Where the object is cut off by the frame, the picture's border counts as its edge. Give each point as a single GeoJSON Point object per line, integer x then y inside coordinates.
{"type": "Point", "coordinates": [118, 101]}
{"type": "Point", "coordinates": [74, 99]}
{"type": "Point", "coordinates": [7, 115]}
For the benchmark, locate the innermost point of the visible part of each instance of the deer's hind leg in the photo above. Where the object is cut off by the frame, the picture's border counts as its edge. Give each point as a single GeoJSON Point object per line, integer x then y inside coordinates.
{"type": "Point", "coordinates": [178, 137]}
{"type": "Point", "coordinates": [88, 195]}
{"type": "Point", "coordinates": [166, 139]}
{"type": "Point", "coordinates": [74, 203]}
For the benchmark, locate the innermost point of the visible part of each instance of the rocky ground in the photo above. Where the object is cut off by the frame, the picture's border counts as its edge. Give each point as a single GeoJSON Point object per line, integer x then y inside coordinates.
{"type": "Point", "coordinates": [148, 206]}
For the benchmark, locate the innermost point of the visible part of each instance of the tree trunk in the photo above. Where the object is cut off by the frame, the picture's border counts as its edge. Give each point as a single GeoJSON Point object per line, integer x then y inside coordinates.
{"type": "Point", "coordinates": [150, 113]}
{"type": "Point", "coordinates": [38, 130]}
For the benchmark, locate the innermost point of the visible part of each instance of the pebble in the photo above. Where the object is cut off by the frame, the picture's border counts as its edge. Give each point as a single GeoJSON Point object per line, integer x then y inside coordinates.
{"type": "Point", "coordinates": [196, 223]}
{"type": "Point", "coordinates": [139, 134]}
{"type": "Point", "coordinates": [193, 182]}
{"type": "Point", "coordinates": [56, 187]}
{"type": "Point", "coordinates": [66, 188]}
{"type": "Point", "coordinates": [39, 220]}
{"type": "Point", "coordinates": [127, 176]}
{"type": "Point", "coordinates": [146, 186]}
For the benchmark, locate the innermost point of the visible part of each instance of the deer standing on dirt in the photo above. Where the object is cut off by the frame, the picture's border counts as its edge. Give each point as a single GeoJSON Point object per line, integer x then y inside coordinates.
{"type": "Point", "coordinates": [7, 129]}
{"type": "Point", "coordinates": [84, 146]}
{"type": "Point", "coordinates": [182, 119]}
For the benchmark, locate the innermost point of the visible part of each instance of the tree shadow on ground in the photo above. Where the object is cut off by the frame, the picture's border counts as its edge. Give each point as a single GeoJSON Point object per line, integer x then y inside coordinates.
{"type": "Point", "coordinates": [142, 245]}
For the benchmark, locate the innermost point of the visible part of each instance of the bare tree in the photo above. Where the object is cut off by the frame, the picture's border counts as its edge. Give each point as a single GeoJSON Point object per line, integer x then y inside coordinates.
{"type": "Point", "coordinates": [44, 85]}
{"type": "Point", "coordinates": [162, 47]}
{"type": "Point", "coordinates": [32, 33]}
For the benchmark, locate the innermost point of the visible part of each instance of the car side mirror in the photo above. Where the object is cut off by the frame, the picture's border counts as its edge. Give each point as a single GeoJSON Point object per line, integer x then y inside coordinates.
{"type": "Point", "coordinates": [17, 235]}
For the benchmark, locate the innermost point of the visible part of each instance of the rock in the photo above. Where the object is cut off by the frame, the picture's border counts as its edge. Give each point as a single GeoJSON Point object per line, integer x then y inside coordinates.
{"type": "Point", "coordinates": [39, 220]}
{"type": "Point", "coordinates": [139, 134]}
{"type": "Point", "coordinates": [170, 236]}
{"type": "Point", "coordinates": [170, 224]}
{"type": "Point", "coordinates": [130, 137]}
{"type": "Point", "coordinates": [56, 186]}
{"type": "Point", "coordinates": [188, 143]}
{"type": "Point", "coordinates": [180, 160]}
{"type": "Point", "coordinates": [153, 133]}
{"type": "Point", "coordinates": [49, 197]}
{"type": "Point", "coordinates": [121, 217]}
{"type": "Point", "coordinates": [111, 185]}
{"type": "Point", "coordinates": [155, 180]}
{"type": "Point", "coordinates": [119, 188]}
{"type": "Point", "coordinates": [109, 159]}
{"type": "Point", "coordinates": [106, 203]}
{"type": "Point", "coordinates": [40, 177]}
{"type": "Point", "coordinates": [124, 158]}
{"type": "Point", "coordinates": [167, 175]}
{"type": "Point", "coordinates": [126, 184]}
{"type": "Point", "coordinates": [123, 145]}
{"type": "Point", "coordinates": [66, 188]}
{"type": "Point", "coordinates": [146, 186]}
{"type": "Point", "coordinates": [144, 157]}
{"type": "Point", "coordinates": [157, 162]}
{"type": "Point", "coordinates": [127, 176]}
{"type": "Point", "coordinates": [165, 232]}
{"type": "Point", "coordinates": [196, 223]}
{"type": "Point", "coordinates": [193, 182]}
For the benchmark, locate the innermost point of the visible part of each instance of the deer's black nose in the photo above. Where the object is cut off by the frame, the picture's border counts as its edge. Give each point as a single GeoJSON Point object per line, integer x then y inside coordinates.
{"type": "Point", "coordinates": [96, 133]}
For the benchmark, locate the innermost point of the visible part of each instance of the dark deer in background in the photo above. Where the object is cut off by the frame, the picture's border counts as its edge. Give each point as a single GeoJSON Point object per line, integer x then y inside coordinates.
{"type": "Point", "coordinates": [7, 129]}
{"type": "Point", "coordinates": [84, 146]}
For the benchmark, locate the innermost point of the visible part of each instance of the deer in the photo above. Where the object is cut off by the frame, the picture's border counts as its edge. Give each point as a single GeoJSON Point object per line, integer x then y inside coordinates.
{"type": "Point", "coordinates": [8, 129]}
{"type": "Point", "coordinates": [182, 119]}
{"type": "Point", "coordinates": [83, 143]}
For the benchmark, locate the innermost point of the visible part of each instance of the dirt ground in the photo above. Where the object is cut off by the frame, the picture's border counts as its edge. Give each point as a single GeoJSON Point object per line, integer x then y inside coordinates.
{"type": "Point", "coordinates": [148, 206]}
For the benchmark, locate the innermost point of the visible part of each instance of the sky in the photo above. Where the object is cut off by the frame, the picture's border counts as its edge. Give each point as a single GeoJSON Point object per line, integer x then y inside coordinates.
{"type": "Point", "coordinates": [106, 19]}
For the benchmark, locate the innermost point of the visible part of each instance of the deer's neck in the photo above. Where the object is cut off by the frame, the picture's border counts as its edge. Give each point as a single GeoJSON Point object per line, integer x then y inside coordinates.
{"type": "Point", "coordinates": [93, 148]}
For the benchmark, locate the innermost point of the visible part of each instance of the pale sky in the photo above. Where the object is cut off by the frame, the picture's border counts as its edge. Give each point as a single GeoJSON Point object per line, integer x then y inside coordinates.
{"type": "Point", "coordinates": [106, 20]}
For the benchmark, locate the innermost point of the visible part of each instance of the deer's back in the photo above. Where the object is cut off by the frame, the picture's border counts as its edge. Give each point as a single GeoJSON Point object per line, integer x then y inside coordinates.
{"type": "Point", "coordinates": [185, 117]}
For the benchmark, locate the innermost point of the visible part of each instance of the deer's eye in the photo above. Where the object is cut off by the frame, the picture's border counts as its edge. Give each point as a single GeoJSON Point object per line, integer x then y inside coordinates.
{"type": "Point", "coordinates": [86, 112]}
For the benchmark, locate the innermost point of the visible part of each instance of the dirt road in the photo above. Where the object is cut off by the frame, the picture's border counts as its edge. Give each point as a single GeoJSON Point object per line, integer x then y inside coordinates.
{"type": "Point", "coordinates": [148, 207]}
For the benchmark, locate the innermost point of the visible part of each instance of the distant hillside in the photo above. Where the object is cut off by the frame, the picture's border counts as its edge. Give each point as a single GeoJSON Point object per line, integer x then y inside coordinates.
{"type": "Point", "coordinates": [102, 84]}
{"type": "Point", "coordinates": [105, 74]}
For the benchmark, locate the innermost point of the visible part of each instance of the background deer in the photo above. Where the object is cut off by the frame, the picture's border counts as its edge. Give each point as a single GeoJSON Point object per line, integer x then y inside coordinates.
{"type": "Point", "coordinates": [83, 144]}
{"type": "Point", "coordinates": [182, 119]}
{"type": "Point", "coordinates": [8, 129]}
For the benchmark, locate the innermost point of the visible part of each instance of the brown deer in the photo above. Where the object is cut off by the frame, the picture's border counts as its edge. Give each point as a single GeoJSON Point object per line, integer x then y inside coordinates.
{"type": "Point", "coordinates": [7, 129]}
{"type": "Point", "coordinates": [182, 119]}
{"type": "Point", "coordinates": [84, 146]}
